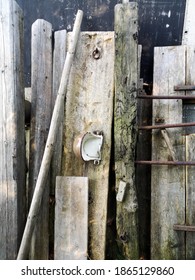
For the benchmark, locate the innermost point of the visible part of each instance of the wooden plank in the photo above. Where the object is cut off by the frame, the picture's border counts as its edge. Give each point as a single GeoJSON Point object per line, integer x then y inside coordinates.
{"type": "Point", "coordinates": [41, 107]}
{"type": "Point", "coordinates": [189, 23]}
{"type": "Point", "coordinates": [89, 107]}
{"type": "Point", "coordinates": [190, 155]}
{"type": "Point", "coordinates": [12, 131]}
{"type": "Point", "coordinates": [126, 84]}
{"type": "Point", "coordinates": [71, 218]}
{"type": "Point", "coordinates": [59, 55]}
{"type": "Point", "coordinates": [168, 182]}
{"type": "Point", "coordinates": [190, 197]}
{"type": "Point", "coordinates": [58, 64]}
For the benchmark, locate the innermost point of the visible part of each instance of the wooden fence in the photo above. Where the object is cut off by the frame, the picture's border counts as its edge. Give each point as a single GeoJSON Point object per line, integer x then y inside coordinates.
{"type": "Point", "coordinates": [79, 208]}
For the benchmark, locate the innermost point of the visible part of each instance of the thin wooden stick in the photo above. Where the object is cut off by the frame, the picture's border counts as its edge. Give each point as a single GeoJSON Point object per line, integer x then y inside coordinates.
{"type": "Point", "coordinates": [42, 177]}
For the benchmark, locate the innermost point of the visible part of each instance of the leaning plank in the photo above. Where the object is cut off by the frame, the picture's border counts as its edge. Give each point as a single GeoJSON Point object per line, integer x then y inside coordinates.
{"type": "Point", "coordinates": [89, 107]}
{"type": "Point", "coordinates": [126, 84]}
{"type": "Point", "coordinates": [189, 23]}
{"type": "Point", "coordinates": [168, 182]}
{"type": "Point", "coordinates": [71, 218]}
{"type": "Point", "coordinates": [41, 98]}
{"type": "Point", "coordinates": [12, 133]}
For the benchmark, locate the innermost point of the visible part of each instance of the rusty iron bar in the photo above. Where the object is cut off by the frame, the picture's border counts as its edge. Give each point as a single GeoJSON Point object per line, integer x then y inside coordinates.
{"type": "Point", "coordinates": [158, 162]}
{"type": "Point", "coordinates": [187, 97]}
{"type": "Point", "coordinates": [163, 126]}
{"type": "Point", "coordinates": [184, 227]}
{"type": "Point", "coordinates": [184, 87]}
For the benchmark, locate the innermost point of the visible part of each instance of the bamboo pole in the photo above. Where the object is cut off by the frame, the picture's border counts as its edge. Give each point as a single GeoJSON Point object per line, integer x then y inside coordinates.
{"type": "Point", "coordinates": [39, 188]}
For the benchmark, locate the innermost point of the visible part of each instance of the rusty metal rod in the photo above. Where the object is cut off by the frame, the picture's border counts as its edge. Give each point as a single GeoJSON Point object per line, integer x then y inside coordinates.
{"type": "Point", "coordinates": [184, 227]}
{"type": "Point", "coordinates": [184, 87]}
{"type": "Point", "coordinates": [143, 96]}
{"type": "Point", "coordinates": [162, 126]}
{"type": "Point", "coordinates": [158, 162]}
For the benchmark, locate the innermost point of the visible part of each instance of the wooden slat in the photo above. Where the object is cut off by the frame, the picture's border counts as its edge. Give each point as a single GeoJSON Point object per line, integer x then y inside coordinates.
{"type": "Point", "coordinates": [12, 132]}
{"type": "Point", "coordinates": [168, 182]}
{"type": "Point", "coordinates": [71, 218]}
{"type": "Point", "coordinates": [190, 171]}
{"type": "Point", "coordinates": [41, 86]}
{"type": "Point", "coordinates": [89, 107]}
{"type": "Point", "coordinates": [59, 56]}
{"type": "Point", "coordinates": [189, 23]}
{"type": "Point", "coordinates": [58, 64]}
{"type": "Point", "coordinates": [126, 84]}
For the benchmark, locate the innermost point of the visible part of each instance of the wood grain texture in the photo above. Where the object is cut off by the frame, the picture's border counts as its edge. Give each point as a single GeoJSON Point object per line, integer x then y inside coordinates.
{"type": "Point", "coordinates": [89, 107]}
{"type": "Point", "coordinates": [188, 37]}
{"type": "Point", "coordinates": [71, 218]}
{"type": "Point", "coordinates": [12, 131]}
{"type": "Point", "coordinates": [126, 84]}
{"type": "Point", "coordinates": [190, 155]}
{"type": "Point", "coordinates": [58, 64]}
{"type": "Point", "coordinates": [41, 106]}
{"type": "Point", "coordinates": [168, 183]}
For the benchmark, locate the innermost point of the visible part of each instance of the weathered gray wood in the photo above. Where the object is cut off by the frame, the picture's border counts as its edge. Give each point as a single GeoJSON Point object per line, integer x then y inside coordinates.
{"type": "Point", "coordinates": [48, 152]}
{"type": "Point", "coordinates": [126, 84]}
{"type": "Point", "coordinates": [71, 218]}
{"type": "Point", "coordinates": [189, 23]}
{"type": "Point", "coordinates": [190, 155]}
{"type": "Point", "coordinates": [59, 55]}
{"type": "Point", "coordinates": [41, 102]}
{"type": "Point", "coordinates": [165, 135]}
{"type": "Point", "coordinates": [58, 64]}
{"type": "Point", "coordinates": [190, 197]}
{"type": "Point", "coordinates": [89, 107]}
{"type": "Point", "coordinates": [168, 182]}
{"type": "Point", "coordinates": [12, 133]}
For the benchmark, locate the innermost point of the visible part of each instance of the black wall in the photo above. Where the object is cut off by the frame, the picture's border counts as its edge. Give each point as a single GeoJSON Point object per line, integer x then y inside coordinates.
{"type": "Point", "coordinates": [160, 23]}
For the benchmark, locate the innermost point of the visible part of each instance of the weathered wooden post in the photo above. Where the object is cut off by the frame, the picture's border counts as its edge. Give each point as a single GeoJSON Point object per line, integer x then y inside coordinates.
{"type": "Point", "coordinates": [12, 131]}
{"type": "Point", "coordinates": [126, 83]}
{"type": "Point", "coordinates": [59, 55]}
{"type": "Point", "coordinates": [89, 107]}
{"type": "Point", "coordinates": [41, 111]}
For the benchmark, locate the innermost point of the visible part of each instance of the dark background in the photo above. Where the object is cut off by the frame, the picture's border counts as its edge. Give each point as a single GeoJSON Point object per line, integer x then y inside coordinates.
{"type": "Point", "coordinates": [160, 24]}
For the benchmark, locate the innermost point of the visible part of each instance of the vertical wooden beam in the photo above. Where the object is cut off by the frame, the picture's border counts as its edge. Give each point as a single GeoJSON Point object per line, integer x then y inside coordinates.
{"type": "Point", "coordinates": [12, 131]}
{"type": "Point", "coordinates": [126, 83]}
{"type": "Point", "coordinates": [190, 155]}
{"type": "Point", "coordinates": [190, 197]}
{"type": "Point", "coordinates": [59, 56]}
{"type": "Point", "coordinates": [89, 107]}
{"type": "Point", "coordinates": [58, 64]}
{"type": "Point", "coordinates": [71, 218]}
{"type": "Point", "coordinates": [189, 23]}
{"type": "Point", "coordinates": [168, 182]}
{"type": "Point", "coordinates": [41, 110]}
